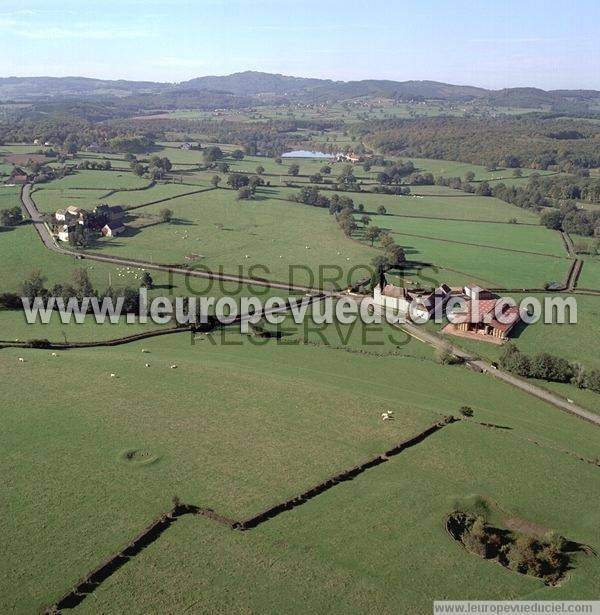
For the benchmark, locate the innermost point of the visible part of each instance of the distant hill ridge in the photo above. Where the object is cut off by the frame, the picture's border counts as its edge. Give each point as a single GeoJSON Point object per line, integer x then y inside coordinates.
{"type": "Point", "coordinates": [264, 85]}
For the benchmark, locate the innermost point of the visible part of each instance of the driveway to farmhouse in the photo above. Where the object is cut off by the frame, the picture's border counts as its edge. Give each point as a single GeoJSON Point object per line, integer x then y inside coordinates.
{"type": "Point", "coordinates": [487, 368]}
{"type": "Point", "coordinates": [414, 331]}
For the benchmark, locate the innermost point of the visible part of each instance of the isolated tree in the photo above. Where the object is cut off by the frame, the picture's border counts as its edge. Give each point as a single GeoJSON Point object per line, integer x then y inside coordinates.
{"type": "Point", "coordinates": [380, 265]}
{"type": "Point", "coordinates": [212, 154]}
{"type": "Point", "coordinates": [381, 210]}
{"type": "Point", "coordinates": [346, 175]}
{"type": "Point", "coordinates": [293, 169]}
{"type": "Point", "coordinates": [33, 285]}
{"type": "Point", "coordinates": [11, 216]}
{"type": "Point", "coordinates": [237, 154]}
{"type": "Point", "coordinates": [146, 280]}
{"type": "Point", "coordinates": [260, 169]}
{"type": "Point", "coordinates": [254, 182]}
{"type": "Point", "coordinates": [71, 144]}
{"type": "Point", "coordinates": [395, 255]}
{"type": "Point", "coordinates": [372, 233]}
{"type": "Point", "coordinates": [237, 180]}
{"type": "Point", "coordinates": [365, 219]}
{"type": "Point", "coordinates": [325, 170]}
{"type": "Point", "coordinates": [215, 180]}
{"type": "Point", "coordinates": [385, 239]}
{"type": "Point", "coordinates": [592, 380]}
{"type": "Point", "coordinates": [469, 176]}
{"type": "Point", "coordinates": [82, 283]}
{"type": "Point", "coordinates": [165, 215]}
{"type": "Point", "coordinates": [223, 167]}
{"type": "Point", "coordinates": [444, 355]}
{"type": "Point", "coordinates": [138, 168]}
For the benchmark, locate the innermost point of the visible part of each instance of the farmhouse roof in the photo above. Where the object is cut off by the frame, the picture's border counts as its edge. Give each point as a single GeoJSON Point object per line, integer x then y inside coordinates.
{"type": "Point", "coordinates": [389, 290]}
{"type": "Point", "coordinates": [485, 312]}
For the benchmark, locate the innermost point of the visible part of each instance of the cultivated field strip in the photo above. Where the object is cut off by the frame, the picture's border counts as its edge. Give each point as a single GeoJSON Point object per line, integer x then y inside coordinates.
{"type": "Point", "coordinates": [88, 583]}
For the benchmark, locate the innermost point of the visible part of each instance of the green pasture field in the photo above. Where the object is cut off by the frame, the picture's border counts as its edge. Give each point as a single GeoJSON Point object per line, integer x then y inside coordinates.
{"type": "Point", "coordinates": [449, 168]}
{"type": "Point", "coordinates": [13, 326]}
{"type": "Point", "coordinates": [384, 550]}
{"type": "Point", "coordinates": [313, 413]}
{"type": "Point", "coordinates": [9, 197]}
{"type": "Point", "coordinates": [590, 273]}
{"type": "Point", "coordinates": [117, 161]}
{"type": "Point", "coordinates": [19, 148]}
{"type": "Point", "coordinates": [535, 239]}
{"type": "Point", "coordinates": [214, 229]}
{"type": "Point", "coordinates": [100, 180]}
{"type": "Point", "coordinates": [22, 252]}
{"type": "Point", "coordinates": [443, 206]}
{"type": "Point", "coordinates": [48, 199]}
{"type": "Point", "coordinates": [483, 264]}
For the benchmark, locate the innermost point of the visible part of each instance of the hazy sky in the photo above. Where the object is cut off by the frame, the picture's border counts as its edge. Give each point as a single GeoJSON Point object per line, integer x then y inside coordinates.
{"type": "Point", "coordinates": [490, 43]}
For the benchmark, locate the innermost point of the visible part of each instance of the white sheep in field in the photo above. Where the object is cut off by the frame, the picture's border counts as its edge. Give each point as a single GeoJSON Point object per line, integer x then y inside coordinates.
{"type": "Point", "coordinates": [113, 375]}
{"type": "Point", "coordinates": [54, 354]}
{"type": "Point", "coordinates": [387, 416]}
{"type": "Point", "coordinates": [147, 364]}
{"type": "Point", "coordinates": [173, 366]}
{"type": "Point", "coordinates": [21, 360]}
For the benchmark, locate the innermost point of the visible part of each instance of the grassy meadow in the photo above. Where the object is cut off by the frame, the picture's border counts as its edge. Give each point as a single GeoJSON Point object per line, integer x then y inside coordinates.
{"type": "Point", "coordinates": [263, 237]}
{"type": "Point", "coordinates": [65, 445]}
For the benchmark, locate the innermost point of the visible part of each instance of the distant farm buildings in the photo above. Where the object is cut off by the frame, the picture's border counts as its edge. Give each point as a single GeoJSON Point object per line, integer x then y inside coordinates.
{"type": "Point", "coordinates": [349, 157]}
{"type": "Point", "coordinates": [18, 177]}
{"type": "Point", "coordinates": [72, 221]}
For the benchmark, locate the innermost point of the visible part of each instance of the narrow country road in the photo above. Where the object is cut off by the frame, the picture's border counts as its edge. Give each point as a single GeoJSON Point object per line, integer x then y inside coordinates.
{"type": "Point", "coordinates": [414, 331]}
{"type": "Point", "coordinates": [433, 340]}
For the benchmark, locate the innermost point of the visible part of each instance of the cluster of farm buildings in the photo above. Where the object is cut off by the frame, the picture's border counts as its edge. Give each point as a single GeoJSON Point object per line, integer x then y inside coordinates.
{"type": "Point", "coordinates": [71, 221]}
{"type": "Point", "coordinates": [482, 314]}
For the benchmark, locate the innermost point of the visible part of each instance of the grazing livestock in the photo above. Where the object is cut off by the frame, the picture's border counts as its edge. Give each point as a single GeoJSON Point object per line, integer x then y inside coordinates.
{"type": "Point", "coordinates": [21, 360]}
{"type": "Point", "coordinates": [113, 375]}
{"type": "Point", "coordinates": [54, 354]}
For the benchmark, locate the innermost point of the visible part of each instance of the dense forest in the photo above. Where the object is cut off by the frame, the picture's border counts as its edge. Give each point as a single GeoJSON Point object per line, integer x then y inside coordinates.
{"type": "Point", "coordinates": [536, 141]}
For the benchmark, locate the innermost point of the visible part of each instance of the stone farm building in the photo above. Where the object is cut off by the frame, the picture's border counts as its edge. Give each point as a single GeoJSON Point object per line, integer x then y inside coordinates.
{"type": "Point", "coordinates": [18, 176]}
{"type": "Point", "coordinates": [109, 221]}
{"type": "Point", "coordinates": [486, 316]}
{"type": "Point", "coordinates": [416, 303]}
